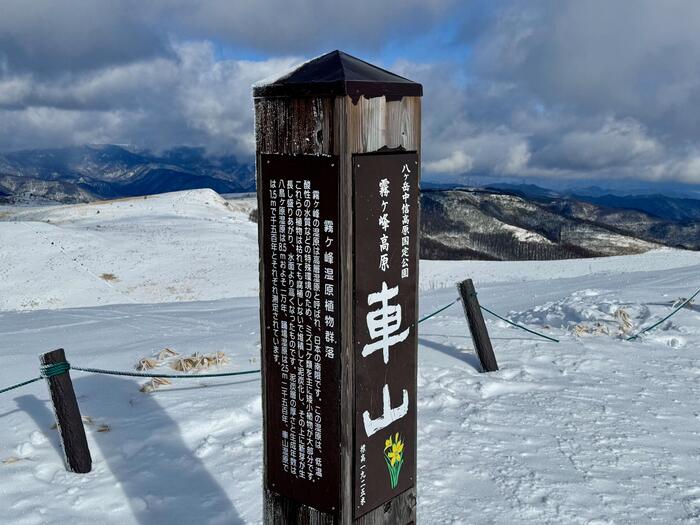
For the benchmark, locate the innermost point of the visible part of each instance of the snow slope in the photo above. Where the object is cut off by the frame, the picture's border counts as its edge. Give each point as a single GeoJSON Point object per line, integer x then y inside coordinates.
{"type": "Point", "coordinates": [189, 246]}
{"type": "Point", "coordinates": [148, 250]}
{"type": "Point", "coordinates": [593, 430]}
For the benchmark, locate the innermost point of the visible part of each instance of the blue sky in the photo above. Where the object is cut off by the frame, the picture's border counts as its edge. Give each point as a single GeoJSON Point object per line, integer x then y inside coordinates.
{"type": "Point", "coordinates": [558, 90]}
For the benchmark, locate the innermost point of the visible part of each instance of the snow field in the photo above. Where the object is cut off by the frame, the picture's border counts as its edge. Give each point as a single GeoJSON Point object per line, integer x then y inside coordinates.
{"type": "Point", "coordinates": [183, 246]}
{"type": "Point", "coordinates": [594, 430]}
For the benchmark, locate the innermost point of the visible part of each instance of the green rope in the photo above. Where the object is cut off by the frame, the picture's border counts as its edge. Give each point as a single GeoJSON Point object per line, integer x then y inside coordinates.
{"type": "Point", "coordinates": [678, 309]}
{"type": "Point", "coordinates": [20, 384]}
{"type": "Point", "coordinates": [54, 369]}
{"type": "Point", "coordinates": [61, 368]}
{"type": "Point", "coordinates": [492, 313]}
{"type": "Point", "coordinates": [57, 369]}
{"type": "Point", "coordinates": [517, 325]}
{"type": "Point", "coordinates": [438, 311]}
{"type": "Point", "coordinates": [165, 376]}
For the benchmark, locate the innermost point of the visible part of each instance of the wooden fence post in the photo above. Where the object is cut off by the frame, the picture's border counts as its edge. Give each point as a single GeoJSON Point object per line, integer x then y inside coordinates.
{"type": "Point", "coordinates": [338, 169]}
{"type": "Point", "coordinates": [477, 327]}
{"type": "Point", "coordinates": [68, 419]}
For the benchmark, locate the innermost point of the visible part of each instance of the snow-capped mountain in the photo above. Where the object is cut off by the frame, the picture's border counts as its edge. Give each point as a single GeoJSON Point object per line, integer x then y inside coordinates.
{"type": "Point", "coordinates": [86, 173]}
{"type": "Point", "coordinates": [506, 222]}
{"type": "Point", "coordinates": [493, 225]}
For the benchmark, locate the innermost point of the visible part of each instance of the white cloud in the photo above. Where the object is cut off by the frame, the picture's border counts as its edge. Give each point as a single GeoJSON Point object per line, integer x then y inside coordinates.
{"type": "Point", "coordinates": [560, 89]}
{"type": "Point", "coordinates": [14, 89]}
{"type": "Point", "coordinates": [613, 144]}
{"type": "Point", "coordinates": [190, 99]}
{"type": "Point", "coordinates": [456, 162]}
{"type": "Point", "coordinates": [518, 158]}
{"type": "Point", "coordinates": [628, 58]}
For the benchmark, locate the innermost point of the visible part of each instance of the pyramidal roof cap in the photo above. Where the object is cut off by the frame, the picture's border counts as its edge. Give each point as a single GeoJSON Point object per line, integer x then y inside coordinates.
{"type": "Point", "coordinates": [337, 74]}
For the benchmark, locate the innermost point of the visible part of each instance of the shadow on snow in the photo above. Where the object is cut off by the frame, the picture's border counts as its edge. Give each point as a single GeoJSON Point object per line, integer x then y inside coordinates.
{"type": "Point", "coordinates": [161, 477]}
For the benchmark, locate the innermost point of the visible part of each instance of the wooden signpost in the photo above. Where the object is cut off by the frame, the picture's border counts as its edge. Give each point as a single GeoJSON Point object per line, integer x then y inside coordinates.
{"type": "Point", "coordinates": [338, 168]}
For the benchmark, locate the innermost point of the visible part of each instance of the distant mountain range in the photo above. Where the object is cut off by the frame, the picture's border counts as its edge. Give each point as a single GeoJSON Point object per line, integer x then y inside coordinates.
{"type": "Point", "coordinates": [86, 173]}
{"type": "Point", "coordinates": [537, 224]}
{"type": "Point", "coordinates": [502, 221]}
{"type": "Point", "coordinates": [676, 209]}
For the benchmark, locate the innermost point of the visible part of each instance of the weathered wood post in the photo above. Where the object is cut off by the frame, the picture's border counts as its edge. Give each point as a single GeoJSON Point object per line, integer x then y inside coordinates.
{"type": "Point", "coordinates": [338, 158]}
{"type": "Point", "coordinates": [477, 326]}
{"type": "Point", "coordinates": [68, 419]}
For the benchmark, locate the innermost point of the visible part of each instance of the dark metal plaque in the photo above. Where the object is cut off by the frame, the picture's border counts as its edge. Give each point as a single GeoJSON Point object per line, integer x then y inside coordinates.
{"type": "Point", "coordinates": [385, 192]}
{"type": "Point", "coordinates": [302, 325]}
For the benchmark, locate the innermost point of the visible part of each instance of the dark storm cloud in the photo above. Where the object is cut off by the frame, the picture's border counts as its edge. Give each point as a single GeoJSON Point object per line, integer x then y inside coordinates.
{"type": "Point", "coordinates": [281, 26]}
{"type": "Point", "coordinates": [48, 37]}
{"type": "Point", "coordinates": [68, 36]}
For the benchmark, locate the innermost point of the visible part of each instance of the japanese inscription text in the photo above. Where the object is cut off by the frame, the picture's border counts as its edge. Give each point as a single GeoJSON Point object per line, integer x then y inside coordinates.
{"type": "Point", "coordinates": [301, 341]}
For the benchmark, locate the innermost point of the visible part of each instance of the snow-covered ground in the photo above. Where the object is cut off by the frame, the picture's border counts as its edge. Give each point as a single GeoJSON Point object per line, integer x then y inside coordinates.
{"type": "Point", "coordinates": [183, 246]}
{"type": "Point", "coordinates": [592, 430]}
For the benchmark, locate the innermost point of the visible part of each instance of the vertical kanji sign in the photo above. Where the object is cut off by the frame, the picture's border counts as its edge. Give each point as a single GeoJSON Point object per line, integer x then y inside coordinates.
{"type": "Point", "coordinates": [337, 155]}
{"type": "Point", "coordinates": [385, 193]}
{"type": "Point", "coordinates": [301, 251]}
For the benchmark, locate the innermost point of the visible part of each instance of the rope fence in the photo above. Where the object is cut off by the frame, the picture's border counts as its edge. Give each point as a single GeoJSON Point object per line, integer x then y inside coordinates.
{"type": "Point", "coordinates": [52, 370]}
{"type": "Point", "coordinates": [519, 326]}
{"type": "Point", "coordinates": [24, 383]}
{"type": "Point", "coordinates": [674, 312]}
{"type": "Point", "coordinates": [46, 372]}
{"type": "Point", "coordinates": [438, 311]}
{"type": "Point", "coordinates": [164, 376]}
{"type": "Point", "coordinates": [60, 368]}
{"type": "Point", "coordinates": [516, 325]}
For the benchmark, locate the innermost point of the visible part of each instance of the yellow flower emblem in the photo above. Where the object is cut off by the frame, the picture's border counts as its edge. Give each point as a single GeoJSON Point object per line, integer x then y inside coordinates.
{"type": "Point", "coordinates": [396, 451]}
{"type": "Point", "coordinates": [393, 454]}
